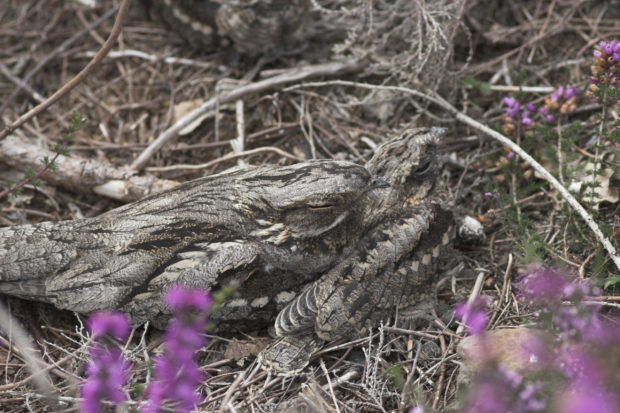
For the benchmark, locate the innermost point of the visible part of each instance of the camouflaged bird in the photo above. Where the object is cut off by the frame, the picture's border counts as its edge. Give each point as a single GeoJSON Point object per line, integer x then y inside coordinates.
{"type": "Point", "coordinates": [251, 26]}
{"type": "Point", "coordinates": [288, 223]}
{"type": "Point", "coordinates": [392, 267]}
{"type": "Point", "coordinates": [332, 246]}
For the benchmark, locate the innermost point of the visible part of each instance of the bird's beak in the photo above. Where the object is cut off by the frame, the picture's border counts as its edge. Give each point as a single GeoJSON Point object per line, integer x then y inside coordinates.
{"type": "Point", "coordinates": [379, 183]}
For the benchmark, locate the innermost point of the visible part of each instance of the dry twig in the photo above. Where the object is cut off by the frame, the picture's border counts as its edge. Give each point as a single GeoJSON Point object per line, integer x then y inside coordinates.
{"type": "Point", "coordinates": [294, 75]}
{"type": "Point", "coordinates": [23, 83]}
{"type": "Point", "coordinates": [116, 31]}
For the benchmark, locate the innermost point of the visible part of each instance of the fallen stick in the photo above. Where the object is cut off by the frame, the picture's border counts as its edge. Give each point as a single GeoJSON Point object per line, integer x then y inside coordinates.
{"type": "Point", "coordinates": [78, 174]}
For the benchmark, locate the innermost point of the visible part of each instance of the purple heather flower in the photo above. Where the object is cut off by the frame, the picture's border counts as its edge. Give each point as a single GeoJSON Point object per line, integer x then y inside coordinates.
{"type": "Point", "coordinates": [585, 399]}
{"type": "Point", "coordinates": [576, 290]}
{"type": "Point", "coordinates": [557, 95]}
{"type": "Point", "coordinates": [546, 289]}
{"type": "Point", "coordinates": [510, 101]}
{"type": "Point", "coordinates": [473, 315]}
{"type": "Point", "coordinates": [106, 323]}
{"type": "Point", "coordinates": [585, 372]}
{"type": "Point", "coordinates": [513, 107]}
{"type": "Point", "coordinates": [541, 286]}
{"type": "Point", "coordinates": [563, 100]}
{"type": "Point", "coordinates": [177, 375]}
{"type": "Point", "coordinates": [584, 354]}
{"type": "Point", "coordinates": [530, 398]}
{"type": "Point", "coordinates": [525, 116]}
{"type": "Point", "coordinates": [545, 112]}
{"type": "Point", "coordinates": [107, 372]}
{"type": "Point", "coordinates": [605, 332]}
{"type": "Point", "coordinates": [570, 92]}
{"type": "Point", "coordinates": [608, 49]}
{"type": "Point", "coordinates": [605, 70]}
{"type": "Point", "coordinates": [564, 93]}
{"type": "Point", "coordinates": [488, 397]}
{"type": "Point", "coordinates": [182, 299]}
{"type": "Point", "coordinates": [501, 390]}
{"type": "Point", "coordinates": [579, 366]}
{"type": "Point", "coordinates": [518, 113]}
{"type": "Point", "coordinates": [178, 389]}
{"type": "Point", "coordinates": [549, 290]}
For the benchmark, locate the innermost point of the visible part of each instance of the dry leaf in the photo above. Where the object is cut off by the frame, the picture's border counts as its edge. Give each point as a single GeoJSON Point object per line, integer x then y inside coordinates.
{"type": "Point", "coordinates": [603, 192]}
{"type": "Point", "coordinates": [238, 350]}
{"type": "Point", "coordinates": [583, 175]}
{"type": "Point", "coordinates": [181, 109]}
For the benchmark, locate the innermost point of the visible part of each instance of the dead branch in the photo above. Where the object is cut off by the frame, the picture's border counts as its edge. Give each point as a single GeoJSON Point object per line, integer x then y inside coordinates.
{"type": "Point", "coordinates": [79, 174]}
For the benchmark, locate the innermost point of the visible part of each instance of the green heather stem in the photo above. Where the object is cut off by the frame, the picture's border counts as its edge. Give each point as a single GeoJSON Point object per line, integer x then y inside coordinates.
{"type": "Point", "coordinates": [35, 176]}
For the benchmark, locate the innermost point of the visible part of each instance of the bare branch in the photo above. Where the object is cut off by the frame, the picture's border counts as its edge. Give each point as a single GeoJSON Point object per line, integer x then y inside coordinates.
{"type": "Point", "coordinates": [77, 174]}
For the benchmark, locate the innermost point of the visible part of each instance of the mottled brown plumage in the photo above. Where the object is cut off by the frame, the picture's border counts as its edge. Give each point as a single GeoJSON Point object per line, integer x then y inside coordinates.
{"type": "Point", "coordinates": [253, 27]}
{"type": "Point", "coordinates": [392, 267]}
{"type": "Point", "coordinates": [331, 246]}
{"type": "Point", "coordinates": [290, 223]}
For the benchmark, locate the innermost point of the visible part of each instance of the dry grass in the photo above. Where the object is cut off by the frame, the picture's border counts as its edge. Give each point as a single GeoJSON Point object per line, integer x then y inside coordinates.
{"type": "Point", "coordinates": [130, 100]}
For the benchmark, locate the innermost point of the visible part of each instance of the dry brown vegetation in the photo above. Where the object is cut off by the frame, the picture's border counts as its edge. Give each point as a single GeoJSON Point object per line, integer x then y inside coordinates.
{"type": "Point", "coordinates": [267, 112]}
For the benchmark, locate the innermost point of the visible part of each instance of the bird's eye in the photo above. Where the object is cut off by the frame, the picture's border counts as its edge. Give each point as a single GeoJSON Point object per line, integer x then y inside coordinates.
{"type": "Point", "coordinates": [321, 207]}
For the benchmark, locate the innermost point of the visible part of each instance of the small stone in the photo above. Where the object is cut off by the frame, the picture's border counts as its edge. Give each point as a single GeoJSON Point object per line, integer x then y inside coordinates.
{"type": "Point", "coordinates": [470, 230]}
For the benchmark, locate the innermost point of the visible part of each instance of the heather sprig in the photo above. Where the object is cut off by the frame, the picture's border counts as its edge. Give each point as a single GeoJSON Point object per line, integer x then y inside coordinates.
{"type": "Point", "coordinates": [473, 315]}
{"type": "Point", "coordinates": [501, 390]}
{"type": "Point", "coordinates": [177, 375]}
{"type": "Point", "coordinates": [582, 348]}
{"type": "Point", "coordinates": [606, 68]}
{"type": "Point", "coordinates": [108, 371]}
{"type": "Point", "coordinates": [605, 89]}
{"type": "Point", "coordinates": [32, 177]}
{"type": "Point", "coordinates": [518, 116]}
{"type": "Point", "coordinates": [558, 298]}
{"type": "Point", "coordinates": [586, 349]}
{"type": "Point", "coordinates": [495, 388]}
{"type": "Point", "coordinates": [604, 85]}
{"type": "Point", "coordinates": [561, 102]}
